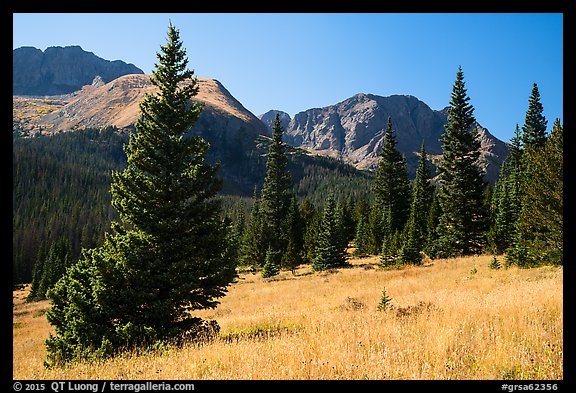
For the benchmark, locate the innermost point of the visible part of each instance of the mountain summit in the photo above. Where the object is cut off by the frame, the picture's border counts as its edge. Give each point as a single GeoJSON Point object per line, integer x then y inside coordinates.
{"type": "Point", "coordinates": [62, 70]}
{"type": "Point", "coordinates": [353, 130]}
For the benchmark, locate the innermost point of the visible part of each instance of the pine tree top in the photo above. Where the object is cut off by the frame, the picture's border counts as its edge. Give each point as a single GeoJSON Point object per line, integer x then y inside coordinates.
{"type": "Point", "coordinates": [535, 123]}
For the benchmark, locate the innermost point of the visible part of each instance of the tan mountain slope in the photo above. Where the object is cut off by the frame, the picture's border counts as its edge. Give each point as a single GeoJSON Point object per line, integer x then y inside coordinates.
{"type": "Point", "coordinates": [117, 103]}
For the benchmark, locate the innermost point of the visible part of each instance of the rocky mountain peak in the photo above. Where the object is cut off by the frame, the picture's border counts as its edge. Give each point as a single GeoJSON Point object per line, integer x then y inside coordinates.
{"type": "Point", "coordinates": [61, 70]}
{"type": "Point", "coordinates": [353, 130]}
{"type": "Point", "coordinates": [269, 117]}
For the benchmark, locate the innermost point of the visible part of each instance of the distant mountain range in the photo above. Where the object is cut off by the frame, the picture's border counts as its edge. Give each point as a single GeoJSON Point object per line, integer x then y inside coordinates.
{"type": "Point", "coordinates": [351, 130]}
{"type": "Point", "coordinates": [61, 70]}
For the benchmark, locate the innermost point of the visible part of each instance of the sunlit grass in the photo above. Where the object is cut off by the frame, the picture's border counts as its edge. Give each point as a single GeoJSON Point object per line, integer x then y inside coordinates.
{"type": "Point", "coordinates": [445, 322]}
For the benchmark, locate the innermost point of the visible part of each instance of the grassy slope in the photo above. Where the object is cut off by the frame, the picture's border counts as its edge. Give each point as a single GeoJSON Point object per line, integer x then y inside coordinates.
{"type": "Point", "coordinates": [492, 324]}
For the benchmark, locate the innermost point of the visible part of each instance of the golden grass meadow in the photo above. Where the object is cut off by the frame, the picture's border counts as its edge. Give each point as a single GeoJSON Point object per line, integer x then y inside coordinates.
{"type": "Point", "coordinates": [450, 319]}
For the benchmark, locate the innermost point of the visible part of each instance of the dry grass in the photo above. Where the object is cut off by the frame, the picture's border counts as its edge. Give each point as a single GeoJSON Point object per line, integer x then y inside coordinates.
{"type": "Point", "coordinates": [446, 322]}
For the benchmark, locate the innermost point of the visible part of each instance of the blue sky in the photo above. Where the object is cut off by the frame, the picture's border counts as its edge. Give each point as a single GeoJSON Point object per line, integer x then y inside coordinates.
{"type": "Point", "coordinates": [295, 62]}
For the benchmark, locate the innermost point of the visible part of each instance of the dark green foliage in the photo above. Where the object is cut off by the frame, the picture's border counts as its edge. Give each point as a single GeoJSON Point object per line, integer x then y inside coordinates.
{"type": "Point", "coordinates": [432, 220]}
{"type": "Point", "coordinates": [252, 250]}
{"type": "Point", "coordinates": [416, 229]}
{"type": "Point", "coordinates": [37, 274]}
{"type": "Point", "coordinates": [344, 210]}
{"type": "Point", "coordinates": [506, 198]}
{"type": "Point", "coordinates": [539, 232]}
{"type": "Point", "coordinates": [534, 128]}
{"type": "Point", "coordinates": [58, 259]}
{"type": "Point", "coordinates": [165, 257]}
{"type": "Point", "coordinates": [504, 211]}
{"type": "Point", "coordinates": [463, 222]}
{"type": "Point", "coordinates": [361, 239]}
{"type": "Point", "coordinates": [495, 263]}
{"type": "Point", "coordinates": [330, 252]}
{"type": "Point", "coordinates": [294, 233]}
{"type": "Point", "coordinates": [236, 226]}
{"type": "Point", "coordinates": [391, 248]}
{"type": "Point", "coordinates": [385, 302]}
{"type": "Point", "coordinates": [317, 176]}
{"type": "Point", "coordinates": [271, 264]}
{"type": "Point", "coordinates": [376, 224]}
{"type": "Point", "coordinates": [277, 191]}
{"type": "Point", "coordinates": [313, 221]}
{"type": "Point", "coordinates": [391, 244]}
{"type": "Point", "coordinates": [391, 189]}
{"type": "Point", "coordinates": [61, 189]}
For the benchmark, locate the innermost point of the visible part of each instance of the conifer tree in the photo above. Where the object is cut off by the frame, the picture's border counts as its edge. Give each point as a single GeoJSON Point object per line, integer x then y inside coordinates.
{"type": "Point", "coordinates": [240, 220]}
{"type": "Point", "coordinates": [534, 128]}
{"type": "Point", "coordinates": [345, 214]}
{"type": "Point", "coordinates": [421, 200]}
{"type": "Point", "coordinates": [271, 267]}
{"type": "Point", "coordinates": [361, 240]}
{"type": "Point", "coordinates": [252, 250]}
{"type": "Point", "coordinates": [432, 220]}
{"type": "Point", "coordinates": [463, 222]}
{"type": "Point", "coordinates": [277, 192]}
{"type": "Point", "coordinates": [236, 232]}
{"type": "Point", "coordinates": [37, 273]}
{"type": "Point", "coordinates": [495, 263]}
{"type": "Point", "coordinates": [311, 237]}
{"type": "Point", "coordinates": [502, 210]}
{"type": "Point", "coordinates": [391, 189]}
{"type": "Point", "coordinates": [330, 252]}
{"type": "Point", "coordinates": [167, 254]}
{"type": "Point", "coordinates": [294, 233]}
{"type": "Point", "coordinates": [515, 150]}
{"type": "Point", "coordinates": [54, 266]}
{"type": "Point", "coordinates": [389, 253]}
{"type": "Point", "coordinates": [539, 233]}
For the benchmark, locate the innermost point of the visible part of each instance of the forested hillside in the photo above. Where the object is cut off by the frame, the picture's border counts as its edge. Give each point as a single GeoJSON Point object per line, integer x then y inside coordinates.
{"type": "Point", "coordinates": [62, 187]}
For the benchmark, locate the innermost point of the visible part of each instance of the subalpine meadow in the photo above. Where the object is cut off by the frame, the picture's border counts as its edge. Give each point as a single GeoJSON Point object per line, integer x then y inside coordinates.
{"type": "Point", "coordinates": [450, 319]}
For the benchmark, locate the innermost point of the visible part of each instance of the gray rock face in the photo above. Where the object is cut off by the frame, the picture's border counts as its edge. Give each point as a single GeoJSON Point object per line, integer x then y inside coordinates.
{"type": "Point", "coordinates": [269, 117]}
{"type": "Point", "coordinates": [353, 130]}
{"type": "Point", "coordinates": [62, 70]}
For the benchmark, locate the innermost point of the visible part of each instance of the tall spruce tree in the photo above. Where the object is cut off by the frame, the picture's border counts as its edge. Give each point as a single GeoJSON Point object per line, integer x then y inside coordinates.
{"type": "Point", "coordinates": [55, 265]}
{"type": "Point", "coordinates": [276, 193]}
{"type": "Point", "coordinates": [38, 273]}
{"type": "Point", "coordinates": [236, 232]}
{"type": "Point", "coordinates": [539, 232]}
{"type": "Point", "coordinates": [313, 220]}
{"type": "Point", "coordinates": [252, 251]}
{"type": "Point", "coordinates": [361, 239]}
{"type": "Point", "coordinates": [294, 233]}
{"type": "Point", "coordinates": [432, 247]}
{"type": "Point", "coordinates": [330, 252]}
{"type": "Point", "coordinates": [506, 198]}
{"type": "Point", "coordinates": [389, 252]}
{"type": "Point", "coordinates": [463, 222]}
{"type": "Point", "coordinates": [422, 195]}
{"type": "Point", "coordinates": [502, 207]}
{"type": "Point", "coordinates": [166, 256]}
{"type": "Point", "coordinates": [534, 128]}
{"type": "Point", "coordinates": [391, 189]}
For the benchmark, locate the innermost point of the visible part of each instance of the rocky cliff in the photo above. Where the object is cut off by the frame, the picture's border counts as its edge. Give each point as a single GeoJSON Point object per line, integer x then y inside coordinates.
{"type": "Point", "coordinates": [353, 131]}
{"type": "Point", "coordinates": [62, 70]}
{"type": "Point", "coordinates": [269, 117]}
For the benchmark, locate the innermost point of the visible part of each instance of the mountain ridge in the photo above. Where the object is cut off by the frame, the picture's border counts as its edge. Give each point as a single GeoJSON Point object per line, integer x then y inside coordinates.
{"type": "Point", "coordinates": [353, 130]}
{"type": "Point", "coordinates": [61, 70]}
